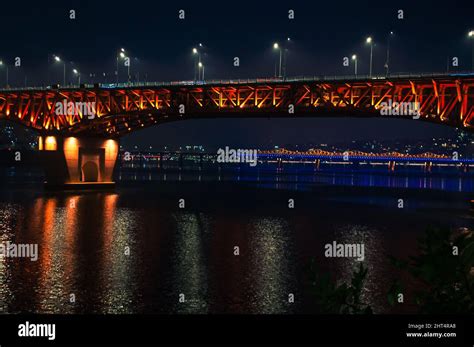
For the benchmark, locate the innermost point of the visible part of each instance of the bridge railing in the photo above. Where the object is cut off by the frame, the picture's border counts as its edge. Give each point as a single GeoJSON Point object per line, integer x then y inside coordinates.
{"type": "Point", "coordinates": [333, 78]}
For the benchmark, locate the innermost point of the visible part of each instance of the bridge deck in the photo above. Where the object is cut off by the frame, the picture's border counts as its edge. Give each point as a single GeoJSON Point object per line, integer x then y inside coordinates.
{"type": "Point", "coordinates": [273, 80]}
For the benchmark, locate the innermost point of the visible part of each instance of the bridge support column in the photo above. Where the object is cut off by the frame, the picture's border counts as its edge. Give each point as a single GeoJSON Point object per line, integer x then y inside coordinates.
{"type": "Point", "coordinates": [391, 165]}
{"type": "Point", "coordinates": [317, 163]}
{"type": "Point", "coordinates": [78, 162]}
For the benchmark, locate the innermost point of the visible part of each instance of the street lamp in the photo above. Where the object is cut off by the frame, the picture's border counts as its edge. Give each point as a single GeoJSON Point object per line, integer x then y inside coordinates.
{"type": "Point", "coordinates": [354, 57]}
{"type": "Point", "coordinates": [120, 55]}
{"type": "Point", "coordinates": [197, 63]}
{"type": "Point", "coordinates": [471, 36]}
{"type": "Point", "coordinates": [58, 60]}
{"type": "Point", "coordinates": [390, 34]}
{"type": "Point", "coordinates": [6, 68]}
{"type": "Point", "coordinates": [78, 75]}
{"type": "Point", "coordinates": [277, 46]}
{"type": "Point", "coordinates": [285, 57]}
{"type": "Point", "coordinates": [201, 66]}
{"type": "Point", "coordinates": [371, 43]}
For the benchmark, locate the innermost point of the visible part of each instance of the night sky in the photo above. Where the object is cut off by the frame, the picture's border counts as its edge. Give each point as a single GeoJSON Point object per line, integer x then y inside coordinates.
{"type": "Point", "coordinates": [160, 44]}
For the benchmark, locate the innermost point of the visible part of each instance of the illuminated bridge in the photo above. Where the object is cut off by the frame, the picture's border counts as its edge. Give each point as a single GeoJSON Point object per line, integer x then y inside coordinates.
{"type": "Point", "coordinates": [87, 144]}
{"type": "Point", "coordinates": [157, 160]}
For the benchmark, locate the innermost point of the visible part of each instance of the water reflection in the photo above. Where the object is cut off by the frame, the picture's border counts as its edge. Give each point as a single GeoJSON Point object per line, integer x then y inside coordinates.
{"type": "Point", "coordinates": [374, 261]}
{"type": "Point", "coordinates": [189, 285]}
{"type": "Point", "coordinates": [270, 270]}
{"type": "Point", "coordinates": [82, 256]}
{"type": "Point", "coordinates": [129, 252]}
{"type": "Point", "coordinates": [8, 213]}
{"type": "Point", "coordinates": [119, 253]}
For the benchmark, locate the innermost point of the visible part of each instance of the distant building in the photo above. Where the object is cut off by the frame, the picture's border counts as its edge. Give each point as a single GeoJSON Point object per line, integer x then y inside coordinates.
{"type": "Point", "coordinates": [16, 136]}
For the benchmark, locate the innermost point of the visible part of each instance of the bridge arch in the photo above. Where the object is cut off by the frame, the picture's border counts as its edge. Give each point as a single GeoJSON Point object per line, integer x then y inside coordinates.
{"type": "Point", "coordinates": [90, 172]}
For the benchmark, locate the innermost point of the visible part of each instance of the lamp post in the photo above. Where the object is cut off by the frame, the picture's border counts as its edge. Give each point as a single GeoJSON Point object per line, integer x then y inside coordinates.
{"type": "Point", "coordinates": [371, 43]}
{"type": "Point", "coordinates": [201, 66]}
{"type": "Point", "coordinates": [390, 34]}
{"type": "Point", "coordinates": [77, 73]}
{"type": "Point", "coordinates": [197, 71]}
{"type": "Point", "coordinates": [121, 54]}
{"type": "Point", "coordinates": [285, 57]}
{"type": "Point", "coordinates": [128, 69]}
{"type": "Point", "coordinates": [57, 59]}
{"type": "Point", "coordinates": [6, 69]}
{"type": "Point", "coordinates": [471, 36]}
{"type": "Point", "coordinates": [354, 57]}
{"type": "Point", "coordinates": [277, 46]}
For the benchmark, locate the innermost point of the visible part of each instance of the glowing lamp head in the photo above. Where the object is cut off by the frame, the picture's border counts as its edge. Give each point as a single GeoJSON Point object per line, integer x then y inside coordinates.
{"type": "Point", "coordinates": [1, 62]}
{"type": "Point", "coordinates": [354, 57]}
{"type": "Point", "coordinates": [200, 64]}
{"type": "Point", "coordinates": [369, 40]}
{"type": "Point", "coordinates": [275, 45]}
{"type": "Point", "coordinates": [122, 50]}
{"type": "Point", "coordinates": [471, 33]}
{"type": "Point", "coordinates": [122, 55]}
{"type": "Point", "coordinates": [195, 50]}
{"type": "Point", "coordinates": [57, 58]}
{"type": "Point", "coordinates": [50, 143]}
{"type": "Point", "coordinates": [75, 71]}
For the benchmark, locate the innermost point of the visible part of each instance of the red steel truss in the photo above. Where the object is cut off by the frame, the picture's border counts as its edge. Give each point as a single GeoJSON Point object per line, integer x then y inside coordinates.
{"type": "Point", "coordinates": [118, 111]}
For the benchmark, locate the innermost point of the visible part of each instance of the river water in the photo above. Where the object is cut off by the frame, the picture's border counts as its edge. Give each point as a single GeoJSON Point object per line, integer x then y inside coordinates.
{"type": "Point", "coordinates": [145, 245]}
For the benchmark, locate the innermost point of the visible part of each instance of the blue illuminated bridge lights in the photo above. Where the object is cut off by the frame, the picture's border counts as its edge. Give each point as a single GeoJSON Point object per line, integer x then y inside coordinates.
{"type": "Point", "coordinates": [364, 158]}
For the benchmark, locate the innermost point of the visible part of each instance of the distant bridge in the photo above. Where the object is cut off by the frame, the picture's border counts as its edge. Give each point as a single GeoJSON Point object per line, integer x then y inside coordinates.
{"type": "Point", "coordinates": [311, 154]}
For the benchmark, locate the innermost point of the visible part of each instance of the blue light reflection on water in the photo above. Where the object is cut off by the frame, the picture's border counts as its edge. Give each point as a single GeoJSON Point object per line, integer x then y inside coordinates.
{"type": "Point", "coordinates": [450, 179]}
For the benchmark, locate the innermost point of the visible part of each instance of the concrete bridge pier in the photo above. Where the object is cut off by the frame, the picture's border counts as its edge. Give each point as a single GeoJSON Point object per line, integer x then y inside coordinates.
{"type": "Point", "coordinates": [78, 162]}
